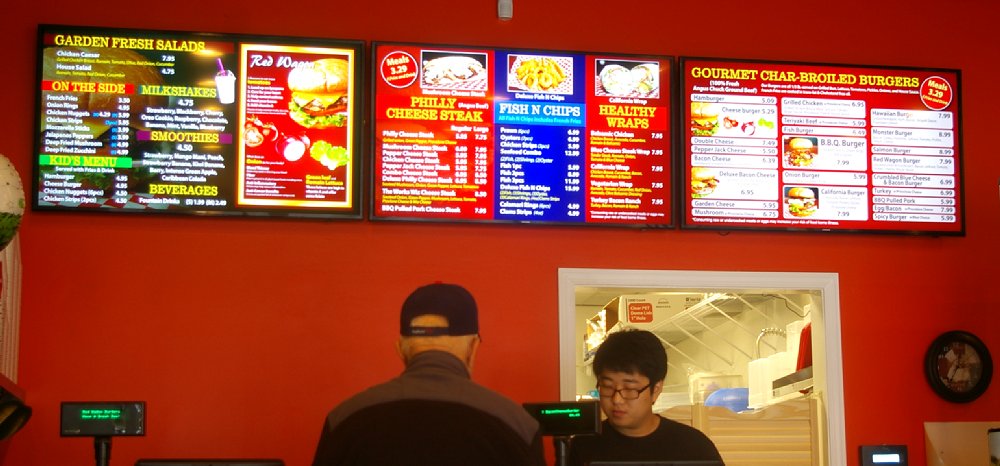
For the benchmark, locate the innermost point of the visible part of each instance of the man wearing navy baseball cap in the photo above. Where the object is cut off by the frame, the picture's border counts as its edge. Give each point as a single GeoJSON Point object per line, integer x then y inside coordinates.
{"type": "Point", "coordinates": [433, 413]}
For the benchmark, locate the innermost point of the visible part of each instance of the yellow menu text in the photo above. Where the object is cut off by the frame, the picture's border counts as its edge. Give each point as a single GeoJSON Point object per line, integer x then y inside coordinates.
{"type": "Point", "coordinates": [134, 43]}
{"type": "Point", "coordinates": [434, 108]}
{"type": "Point", "coordinates": [804, 77]}
{"type": "Point", "coordinates": [627, 116]}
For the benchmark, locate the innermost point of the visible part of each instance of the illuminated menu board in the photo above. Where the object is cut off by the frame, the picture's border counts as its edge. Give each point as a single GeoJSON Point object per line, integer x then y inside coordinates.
{"type": "Point", "coordinates": [478, 134]}
{"type": "Point", "coordinates": [821, 147]}
{"type": "Point", "coordinates": [177, 122]}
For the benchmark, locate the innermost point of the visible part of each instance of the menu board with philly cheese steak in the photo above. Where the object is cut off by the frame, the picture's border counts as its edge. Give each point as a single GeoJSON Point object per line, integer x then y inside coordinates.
{"type": "Point", "coordinates": [493, 135]}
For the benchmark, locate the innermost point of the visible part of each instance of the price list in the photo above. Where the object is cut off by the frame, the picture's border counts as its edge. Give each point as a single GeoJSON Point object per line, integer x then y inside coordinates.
{"type": "Point", "coordinates": [540, 165]}
{"type": "Point", "coordinates": [628, 161]}
{"type": "Point", "coordinates": [150, 121]}
{"type": "Point", "coordinates": [520, 136]}
{"type": "Point", "coordinates": [126, 126]}
{"type": "Point", "coordinates": [789, 146]}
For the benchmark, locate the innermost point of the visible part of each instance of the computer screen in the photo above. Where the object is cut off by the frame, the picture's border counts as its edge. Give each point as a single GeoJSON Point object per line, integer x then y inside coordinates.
{"type": "Point", "coordinates": [209, 462]}
{"type": "Point", "coordinates": [655, 463]}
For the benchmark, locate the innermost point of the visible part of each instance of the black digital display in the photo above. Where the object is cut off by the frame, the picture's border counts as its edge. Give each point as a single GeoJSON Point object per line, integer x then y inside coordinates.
{"type": "Point", "coordinates": [818, 147]}
{"type": "Point", "coordinates": [147, 121]}
{"type": "Point", "coordinates": [565, 418]}
{"type": "Point", "coordinates": [103, 419]}
{"type": "Point", "coordinates": [473, 134]}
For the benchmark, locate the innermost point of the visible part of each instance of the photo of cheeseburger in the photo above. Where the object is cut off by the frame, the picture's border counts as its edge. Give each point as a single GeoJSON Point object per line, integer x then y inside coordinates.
{"type": "Point", "coordinates": [799, 152]}
{"type": "Point", "coordinates": [703, 181]}
{"type": "Point", "coordinates": [704, 119]}
{"type": "Point", "coordinates": [801, 202]}
{"type": "Point", "coordinates": [319, 93]}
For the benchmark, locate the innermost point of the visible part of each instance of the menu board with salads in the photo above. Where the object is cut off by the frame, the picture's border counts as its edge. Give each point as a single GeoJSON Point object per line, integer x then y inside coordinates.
{"type": "Point", "coordinates": [179, 122]}
{"type": "Point", "coordinates": [795, 146]}
{"type": "Point", "coordinates": [494, 135]}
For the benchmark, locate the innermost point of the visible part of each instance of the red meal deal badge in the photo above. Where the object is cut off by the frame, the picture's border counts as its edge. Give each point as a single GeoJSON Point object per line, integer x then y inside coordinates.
{"type": "Point", "coordinates": [399, 69]}
{"type": "Point", "coordinates": [936, 93]}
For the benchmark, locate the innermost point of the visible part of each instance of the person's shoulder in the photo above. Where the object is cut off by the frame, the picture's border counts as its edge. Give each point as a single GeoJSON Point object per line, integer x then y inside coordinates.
{"type": "Point", "coordinates": [377, 394]}
{"type": "Point", "coordinates": [699, 444]}
{"type": "Point", "coordinates": [675, 428]}
{"type": "Point", "coordinates": [504, 407]}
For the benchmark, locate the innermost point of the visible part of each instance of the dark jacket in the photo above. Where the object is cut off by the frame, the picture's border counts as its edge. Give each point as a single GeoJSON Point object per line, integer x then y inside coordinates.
{"type": "Point", "coordinates": [433, 413]}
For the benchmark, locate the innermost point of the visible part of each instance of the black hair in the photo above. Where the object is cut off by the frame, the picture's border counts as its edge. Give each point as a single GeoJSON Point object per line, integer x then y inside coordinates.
{"type": "Point", "coordinates": [634, 351]}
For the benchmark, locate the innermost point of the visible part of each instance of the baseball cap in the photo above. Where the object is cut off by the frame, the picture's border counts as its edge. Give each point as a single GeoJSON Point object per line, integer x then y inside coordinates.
{"type": "Point", "coordinates": [453, 302]}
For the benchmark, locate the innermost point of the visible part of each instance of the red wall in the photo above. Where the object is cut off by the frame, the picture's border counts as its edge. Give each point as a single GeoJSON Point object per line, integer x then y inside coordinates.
{"type": "Point", "coordinates": [241, 334]}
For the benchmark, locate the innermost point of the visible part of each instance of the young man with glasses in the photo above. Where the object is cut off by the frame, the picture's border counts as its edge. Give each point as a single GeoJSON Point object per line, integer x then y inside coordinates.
{"type": "Point", "coordinates": [630, 367]}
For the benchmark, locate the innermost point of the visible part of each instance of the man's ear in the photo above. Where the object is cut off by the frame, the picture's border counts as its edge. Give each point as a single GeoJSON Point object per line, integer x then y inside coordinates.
{"type": "Point", "coordinates": [656, 390]}
{"type": "Point", "coordinates": [399, 349]}
{"type": "Point", "coordinates": [473, 349]}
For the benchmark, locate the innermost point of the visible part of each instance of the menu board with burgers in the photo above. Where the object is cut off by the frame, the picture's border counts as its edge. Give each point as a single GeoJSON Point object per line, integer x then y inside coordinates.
{"type": "Point", "coordinates": [493, 135]}
{"type": "Point", "coordinates": [795, 146]}
{"type": "Point", "coordinates": [180, 122]}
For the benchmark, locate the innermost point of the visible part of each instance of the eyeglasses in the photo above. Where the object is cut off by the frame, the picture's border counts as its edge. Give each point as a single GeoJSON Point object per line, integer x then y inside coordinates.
{"type": "Point", "coordinates": [626, 393]}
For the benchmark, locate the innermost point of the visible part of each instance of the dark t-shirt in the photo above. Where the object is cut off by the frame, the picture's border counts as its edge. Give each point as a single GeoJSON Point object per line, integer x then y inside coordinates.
{"type": "Point", "coordinates": [671, 441]}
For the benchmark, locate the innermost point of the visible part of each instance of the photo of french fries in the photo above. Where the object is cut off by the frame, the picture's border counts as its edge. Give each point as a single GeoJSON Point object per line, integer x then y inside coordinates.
{"type": "Point", "coordinates": [540, 74]}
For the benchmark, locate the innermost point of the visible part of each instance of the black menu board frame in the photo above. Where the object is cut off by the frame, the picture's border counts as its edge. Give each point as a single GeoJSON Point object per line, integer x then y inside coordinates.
{"type": "Point", "coordinates": [884, 180]}
{"type": "Point", "coordinates": [198, 123]}
{"type": "Point", "coordinates": [578, 90]}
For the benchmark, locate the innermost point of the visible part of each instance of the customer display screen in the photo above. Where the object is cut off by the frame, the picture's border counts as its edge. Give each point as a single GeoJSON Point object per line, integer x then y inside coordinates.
{"type": "Point", "coordinates": [797, 146]}
{"type": "Point", "coordinates": [495, 135]}
{"type": "Point", "coordinates": [102, 418]}
{"type": "Point", "coordinates": [178, 122]}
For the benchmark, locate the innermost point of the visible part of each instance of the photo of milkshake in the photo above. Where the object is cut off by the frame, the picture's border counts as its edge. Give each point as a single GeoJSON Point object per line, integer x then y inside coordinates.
{"type": "Point", "coordinates": [225, 84]}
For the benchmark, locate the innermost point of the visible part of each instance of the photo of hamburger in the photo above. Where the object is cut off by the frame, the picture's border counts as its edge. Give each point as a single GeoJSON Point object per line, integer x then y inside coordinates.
{"type": "Point", "coordinates": [799, 152]}
{"type": "Point", "coordinates": [801, 202]}
{"type": "Point", "coordinates": [703, 181]}
{"type": "Point", "coordinates": [704, 119]}
{"type": "Point", "coordinates": [319, 93]}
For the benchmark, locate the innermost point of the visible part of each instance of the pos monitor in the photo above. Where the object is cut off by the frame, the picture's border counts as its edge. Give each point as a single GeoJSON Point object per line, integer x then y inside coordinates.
{"type": "Point", "coordinates": [209, 462]}
{"type": "Point", "coordinates": [655, 463]}
{"type": "Point", "coordinates": [566, 418]}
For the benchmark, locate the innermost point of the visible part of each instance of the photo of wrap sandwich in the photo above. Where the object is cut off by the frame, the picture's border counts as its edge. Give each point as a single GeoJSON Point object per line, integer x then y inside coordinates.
{"type": "Point", "coordinates": [628, 79]}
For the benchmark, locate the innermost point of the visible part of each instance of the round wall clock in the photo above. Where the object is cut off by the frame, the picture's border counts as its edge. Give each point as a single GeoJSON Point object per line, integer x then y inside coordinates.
{"type": "Point", "coordinates": [958, 366]}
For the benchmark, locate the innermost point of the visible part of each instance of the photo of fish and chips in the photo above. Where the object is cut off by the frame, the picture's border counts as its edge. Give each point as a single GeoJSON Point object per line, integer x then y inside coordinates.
{"type": "Point", "coordinates": [453, 70]}
{"type": "Point", "coordinates": [626, 78]}
{"type": "Point", "coordinates": [532, 73]}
